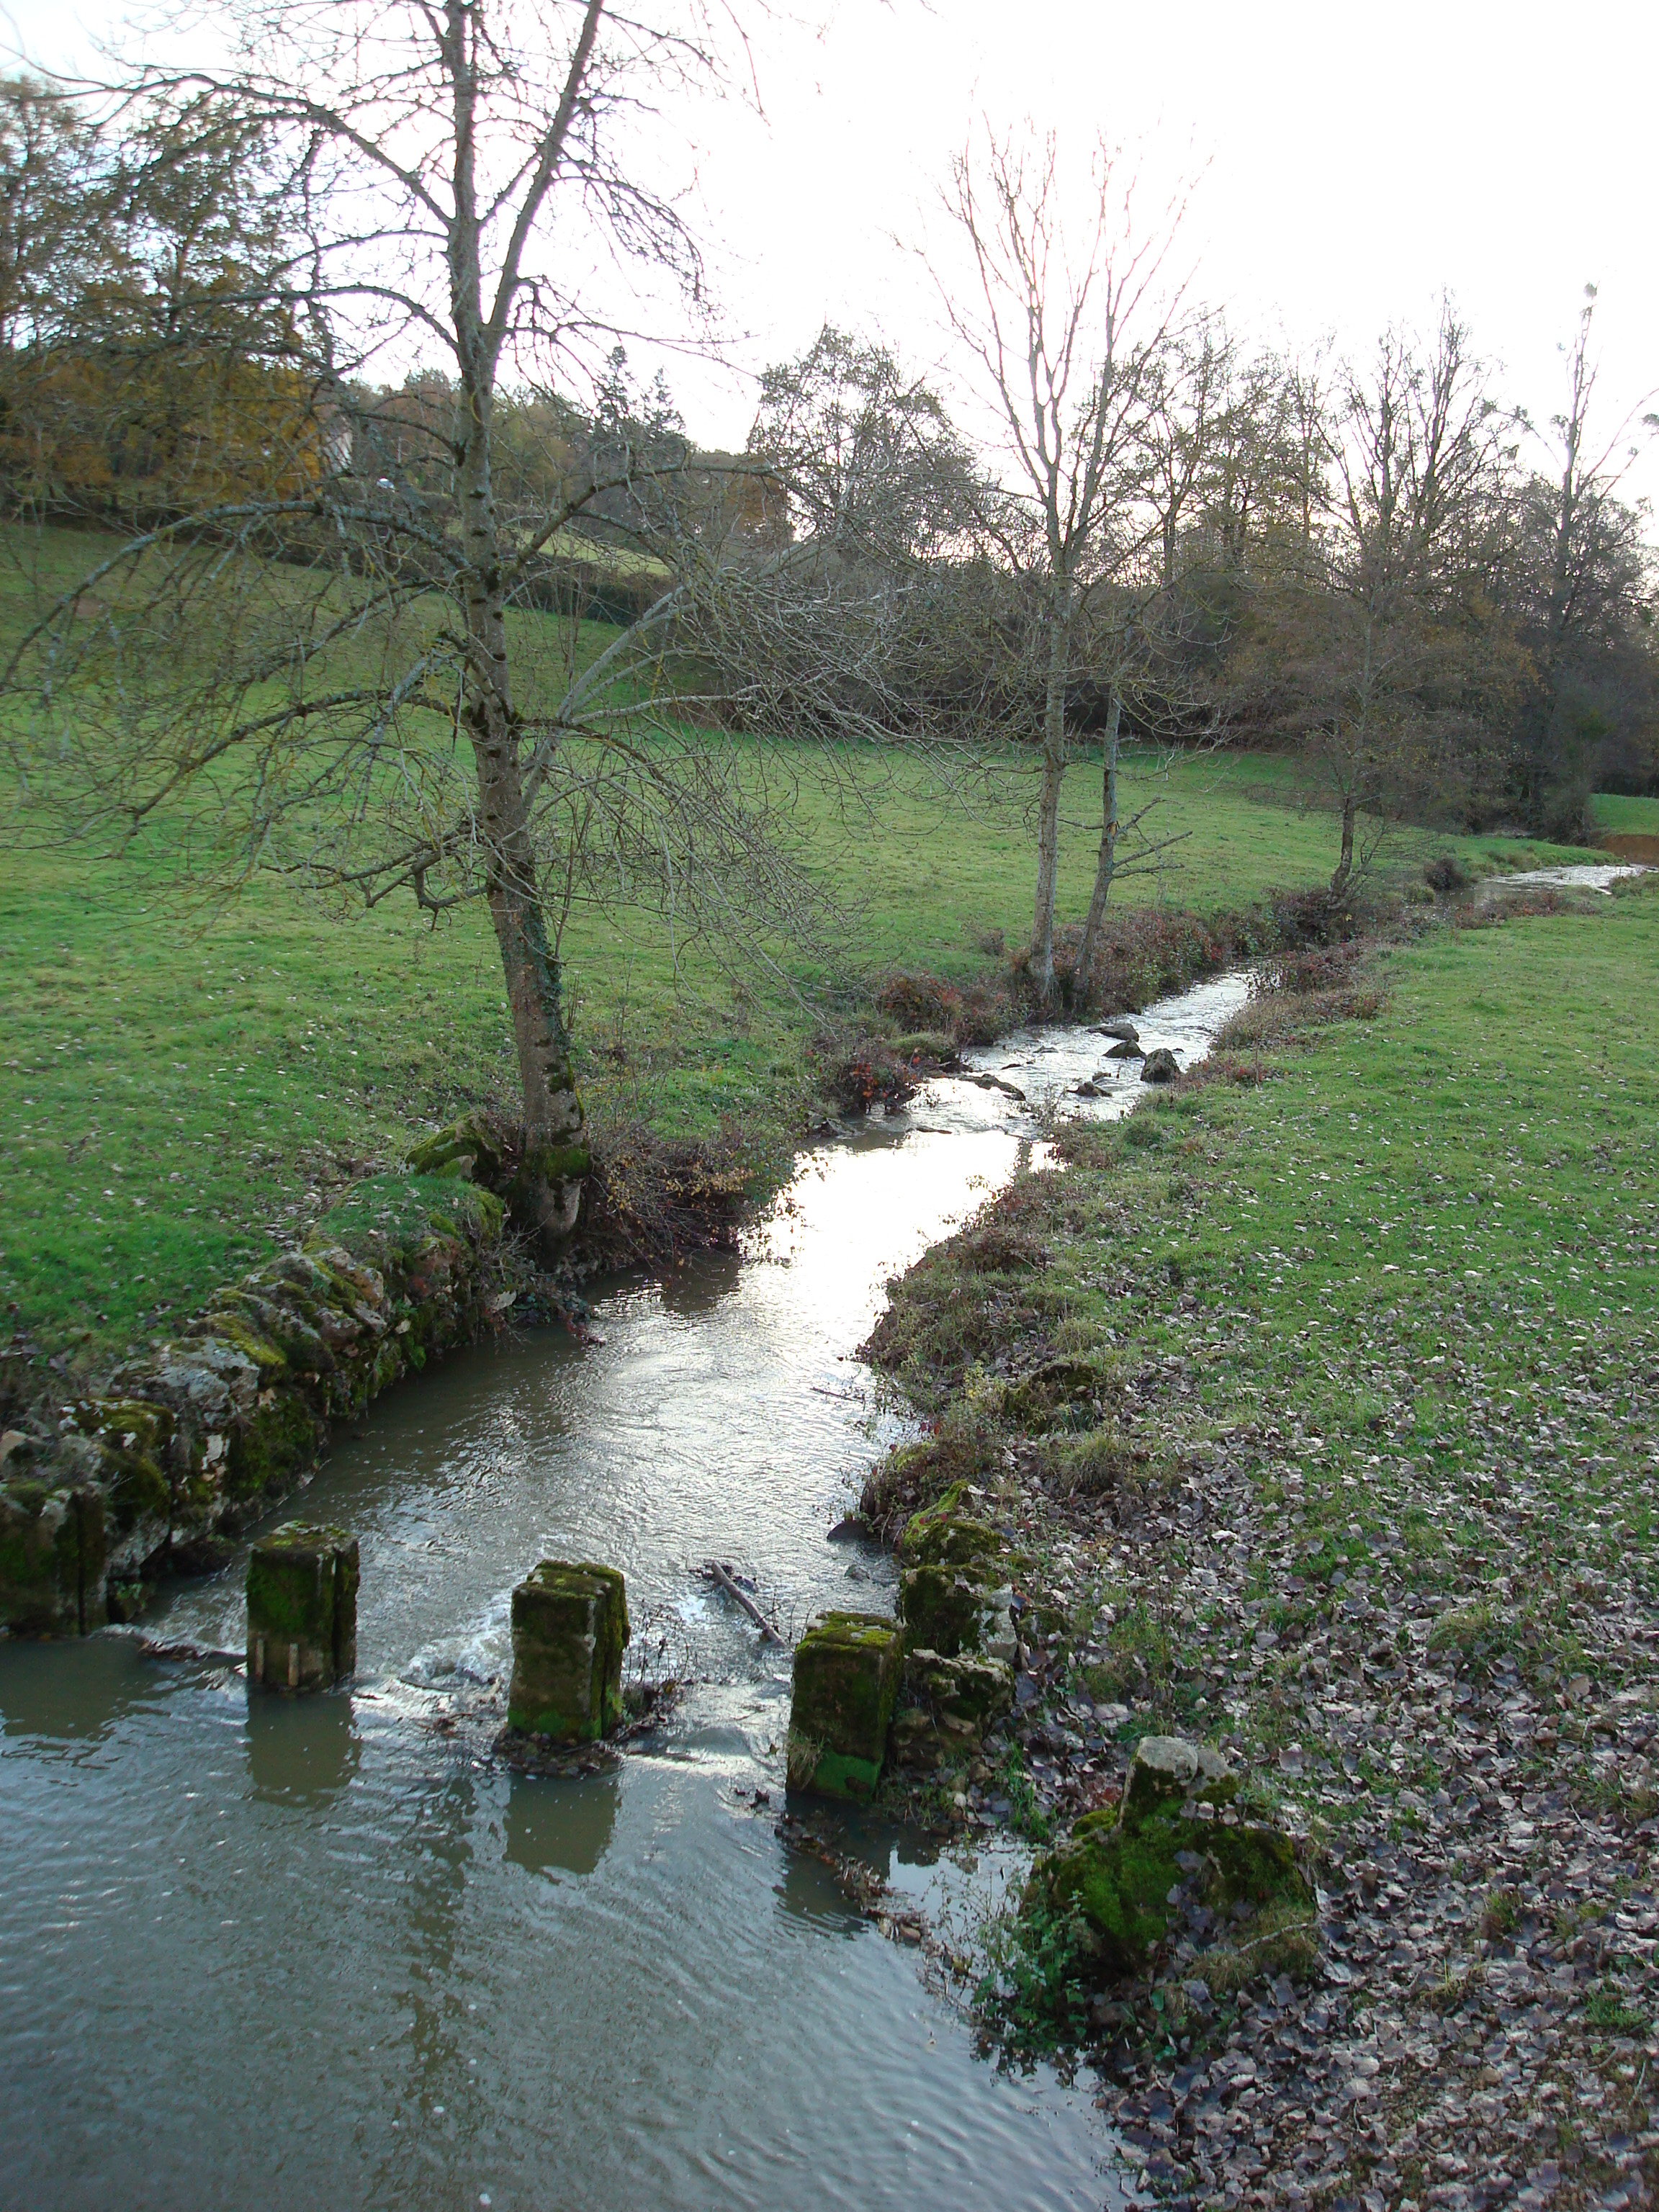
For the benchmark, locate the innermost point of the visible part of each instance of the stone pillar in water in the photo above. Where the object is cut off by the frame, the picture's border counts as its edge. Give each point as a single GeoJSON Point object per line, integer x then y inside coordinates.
{"type": "Point", "coordinates": [846, 1682]}
{"type": "Point", "coordinates": [569, 1626]}
{"type": "Point", "coordinates": [301, 1608]}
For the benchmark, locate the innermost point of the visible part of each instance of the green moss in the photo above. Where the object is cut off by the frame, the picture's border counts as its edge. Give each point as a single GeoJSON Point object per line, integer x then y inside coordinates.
{"type": "Point", "coordinates": [846, 1682]}
{"type": "Point", "coordinates": [278, 1437]}
{"type": "Point", "coordinates": [302, 1582]}
{"type": "Point", "coordinates": [233, 1328]}
{"type": "Point", "coordinates": [53, 1549]}
{"type": "Point", "coordinates": [569, 1630]}
{"type": "Point", "coordinates": [1114, 1875]}
{"type": "Point", "coordinates": [945, 1535]}
{"type": "Point", "coordinates": [843, 1693]}
{"type": "Point", "coordinates": [948, 1609]}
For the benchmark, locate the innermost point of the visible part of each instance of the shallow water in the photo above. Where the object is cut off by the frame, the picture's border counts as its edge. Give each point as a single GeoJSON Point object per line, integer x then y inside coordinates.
{"type": "Point", "coordinates": [1586, 876]}
{"type": "Point", "coordinates": [254, 1952]}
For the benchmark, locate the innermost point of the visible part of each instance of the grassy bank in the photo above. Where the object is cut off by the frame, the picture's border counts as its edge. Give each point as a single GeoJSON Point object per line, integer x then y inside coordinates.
{"type": "Point", "coordinates": [1365, 1493]}
{"type": "Point", "coordinates": [179, 1085]}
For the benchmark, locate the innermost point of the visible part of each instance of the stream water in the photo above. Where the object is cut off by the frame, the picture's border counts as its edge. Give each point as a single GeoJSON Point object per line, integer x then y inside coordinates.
{"type": "Point", "coordinates": [255, 1952]}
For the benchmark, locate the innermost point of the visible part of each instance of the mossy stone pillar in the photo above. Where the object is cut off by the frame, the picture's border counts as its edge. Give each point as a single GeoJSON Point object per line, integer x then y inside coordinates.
{"type": "Point", "coordinates": [569, 1628]}
{"type": "Point", "coordinates": [302, 1607]}
{"type": "Point", "coordinates": [846, 1684]}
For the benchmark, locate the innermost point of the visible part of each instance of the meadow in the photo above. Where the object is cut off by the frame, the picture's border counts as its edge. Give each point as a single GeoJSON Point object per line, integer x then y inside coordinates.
{"type": "Point", "coordinates": [183, 1079]}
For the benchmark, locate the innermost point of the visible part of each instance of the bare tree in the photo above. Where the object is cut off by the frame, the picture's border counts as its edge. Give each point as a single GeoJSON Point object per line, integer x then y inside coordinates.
{"type": "Point", "coordinates": [1066, 336]}
{"type": "Point", "coordinates": [1374, 639]}
{"type": "Point", "coordinates": [1583, 576]}
{"type": "Point", "coordinates": [317, 649]}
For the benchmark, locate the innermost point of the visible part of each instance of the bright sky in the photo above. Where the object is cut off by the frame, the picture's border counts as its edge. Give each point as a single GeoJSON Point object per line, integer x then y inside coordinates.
{"type": "Point", "coordinates": [1351, 164]}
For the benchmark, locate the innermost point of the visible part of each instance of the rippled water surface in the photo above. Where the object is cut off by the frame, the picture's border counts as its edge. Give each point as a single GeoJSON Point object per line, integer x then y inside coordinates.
{"type": "Point", "coordinates": [330, 1952]}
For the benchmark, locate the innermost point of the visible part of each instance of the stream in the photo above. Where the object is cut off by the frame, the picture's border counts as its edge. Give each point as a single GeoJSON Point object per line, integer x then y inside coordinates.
{"type": "Point", "coordinates": [256, 1952]}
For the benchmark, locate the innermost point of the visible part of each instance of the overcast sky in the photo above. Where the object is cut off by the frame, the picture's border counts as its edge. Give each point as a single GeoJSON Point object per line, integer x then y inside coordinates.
{"type": "Point", "coordinates": [1351, 164]}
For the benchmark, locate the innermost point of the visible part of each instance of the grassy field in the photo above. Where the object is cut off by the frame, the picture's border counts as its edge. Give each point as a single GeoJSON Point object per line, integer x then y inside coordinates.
{"type": "Point", "coordinates": [1372, 1500]}
{"type": "Point", "coordinates": [1626, 817]}
{"type": "Point", "coordinates": [178, 1084]}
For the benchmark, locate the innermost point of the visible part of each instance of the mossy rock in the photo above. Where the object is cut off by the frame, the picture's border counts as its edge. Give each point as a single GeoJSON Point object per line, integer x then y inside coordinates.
{"type": "Point", "coordinates": [968, 1690]}
{"type": "Point", "coordinates": [53, 1547]}
{"type": "Point", "coordinates": [846, 1684]}
{"type": "Point", "coordinates": [133, 1438]}
{"type": "Point", "coordinates": [569, 1630]}
{"type": "Point", "coordinates": [1167, 1771]}
{"type": "Point", "coordinates": [953, 1609]}
{"type": "Point", "coordinates": [473, 1150]}
{"type": "Point", "coordinates": [945, 1533]}
{"type": "Point", "coordinates": [1116, 1880]}
{"type": "Point", "coordinates": [1175, 1831]}
{"type": "Point", "coordinates": [278, 1438]}
{"type": "Point", "coordinates": [1058, 1394]}
{"type": "Point", "coordinates": [948, 1705]}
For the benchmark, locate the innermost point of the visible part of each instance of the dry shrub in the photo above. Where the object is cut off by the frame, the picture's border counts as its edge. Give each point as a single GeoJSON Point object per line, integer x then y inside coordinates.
{"type": "Point", "coordinates": [1102, 1464]}
{"type": "Point", "coordinates": [862, 1072]}
{"type": "Point", "coordinates": [1446, 872]}
{"type": "Point", "coordinates": [999, 1248]}
{"type": "Point", "coordinates": [1225, 1067]}
{"type": "Point", "coordinates": [967, 1013]}
{"type": "Point", "coordinates": [651, 1198]}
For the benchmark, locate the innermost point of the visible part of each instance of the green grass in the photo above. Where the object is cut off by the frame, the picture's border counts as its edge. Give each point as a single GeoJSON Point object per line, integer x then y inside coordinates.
{"type": "Point", "coordinates": [1616, 817]}
{"type": "Point", "coordinates": [1420, 1264]}
{"type": "Point", "coordinates": [178, 1084]}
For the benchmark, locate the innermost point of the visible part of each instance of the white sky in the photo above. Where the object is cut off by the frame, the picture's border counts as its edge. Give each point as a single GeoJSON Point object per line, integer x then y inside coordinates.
{"type": "Point", "coordinates": [1351, 164]}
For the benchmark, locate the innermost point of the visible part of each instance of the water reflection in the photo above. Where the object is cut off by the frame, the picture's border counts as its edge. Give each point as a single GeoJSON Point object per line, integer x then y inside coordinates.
{"type": "Point", "coordinates": [301, 1751]}
{"type": "Point", "coordinates": [698, 1289]}
{"type": "Point", "coordinates": [74, 1693]}
{"type": "Point", "coordinates": [554, 1828]}
{"type": "Point", "coordinates": [809, 1892]}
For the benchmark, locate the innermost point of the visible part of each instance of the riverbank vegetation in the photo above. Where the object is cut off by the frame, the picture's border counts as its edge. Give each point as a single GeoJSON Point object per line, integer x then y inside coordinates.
{"type": "Point", "coordinates": [1320, 1391]}
{"type": "Point", "coordinates": [184, 1085]}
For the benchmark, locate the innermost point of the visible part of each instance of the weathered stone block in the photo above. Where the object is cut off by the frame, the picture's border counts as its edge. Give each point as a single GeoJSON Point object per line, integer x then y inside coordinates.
{"type": "Point", "coordinates": [302, 1607]}
{"type": "Point", "coordinates": [52, 1558]}
{"type": "Point", "coordinates": [569, 1628]}
{"type": "Point", "coordinates": [1167, 1770]}
{"type": "Point", "coordinates": [949, 1705]}
{"type": "Point", "coordinates": [1175, 1834]}
{"type": "Point", "coordinates": [953, 1609]}
{"type": "Point", "coordinates": [946, 1535]}
{"type": "Point", "coordinates": [846, 1683]}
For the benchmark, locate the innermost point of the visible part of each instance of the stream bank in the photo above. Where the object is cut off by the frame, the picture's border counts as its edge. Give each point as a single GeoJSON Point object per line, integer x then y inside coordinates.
{"type": "Point", "coordinates": [1358, 1490]}
{"type": "Point", "coordinates": [449, 1979]}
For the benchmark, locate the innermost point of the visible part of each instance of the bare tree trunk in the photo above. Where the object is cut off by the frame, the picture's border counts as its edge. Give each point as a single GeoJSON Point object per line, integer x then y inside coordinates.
{"type": "Point", "coordinates": [1054, 776]}
{"type": "Point", "coordinates": [547, 1190]}
{"type": "Point", "coordinates": [1345, 865]}
{"type": "Point", "coordinates": [1106, 866]}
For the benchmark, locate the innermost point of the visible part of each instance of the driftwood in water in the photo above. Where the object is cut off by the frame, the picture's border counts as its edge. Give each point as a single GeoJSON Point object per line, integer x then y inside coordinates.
{"type": "Point", "coordinates": [714, 1572]}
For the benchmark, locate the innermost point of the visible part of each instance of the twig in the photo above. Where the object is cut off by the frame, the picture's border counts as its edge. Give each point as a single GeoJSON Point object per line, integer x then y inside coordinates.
{"type": "Point", "coordinates": [713, 1572]}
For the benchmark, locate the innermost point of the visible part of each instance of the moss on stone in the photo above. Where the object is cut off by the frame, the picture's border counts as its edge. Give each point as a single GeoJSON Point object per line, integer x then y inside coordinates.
{"type": "Point", "coordinates": [846, 1683]}
{"type": "Point", "coordinates": [270, 1447]}
{"type": "Point", "coordinates": [53, 1547]}
{"type": "Point", "coordinates": [1114, 1875]}
{"type": "Point", "coordinates": [569, 1630]}
{"type": "Point", "coordinates": [132, 1436]}
{"type": "Point", "coordinates": [943, 1535]}
{"type": "Point", "coordinates": [302, 1582]}
{"type": "Point", "coordinates": [949, 1609]}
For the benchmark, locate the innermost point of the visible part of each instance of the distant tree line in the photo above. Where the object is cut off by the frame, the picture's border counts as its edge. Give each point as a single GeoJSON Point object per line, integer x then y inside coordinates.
{"type": "Point", "coordinates": [299, 627]}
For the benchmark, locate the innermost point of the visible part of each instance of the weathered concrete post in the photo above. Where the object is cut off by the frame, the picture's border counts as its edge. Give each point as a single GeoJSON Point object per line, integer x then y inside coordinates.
{"type": "Point", "coordinates": [569, 1626]}
{"type": "Point", "coordinates": [846, 1682]}
{"type": "Point", "coordinates": [301, 1608]}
